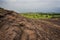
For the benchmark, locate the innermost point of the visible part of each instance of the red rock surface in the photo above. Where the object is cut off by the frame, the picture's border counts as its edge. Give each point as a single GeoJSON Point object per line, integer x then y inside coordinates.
{"type": "Point", "coordinates": [13, 26]}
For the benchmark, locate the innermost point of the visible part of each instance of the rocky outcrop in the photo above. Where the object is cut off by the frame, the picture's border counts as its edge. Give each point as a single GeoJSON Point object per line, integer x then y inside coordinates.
{"type": "Point", "coordinates": [13, 26]}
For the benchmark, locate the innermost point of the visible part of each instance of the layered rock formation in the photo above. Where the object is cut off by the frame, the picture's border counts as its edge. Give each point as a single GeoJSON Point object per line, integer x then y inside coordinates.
{"type": "Point", "coordinates": [13, 26]}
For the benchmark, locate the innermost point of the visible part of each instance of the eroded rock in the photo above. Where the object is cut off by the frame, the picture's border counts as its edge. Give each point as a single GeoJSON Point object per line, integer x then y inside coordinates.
{"type": "Point", "coordinates": [15, 27]}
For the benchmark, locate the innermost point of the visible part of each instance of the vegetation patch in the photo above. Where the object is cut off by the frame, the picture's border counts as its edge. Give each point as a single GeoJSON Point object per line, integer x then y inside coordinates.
{"type": "Point", "coordinates": [41, 15]}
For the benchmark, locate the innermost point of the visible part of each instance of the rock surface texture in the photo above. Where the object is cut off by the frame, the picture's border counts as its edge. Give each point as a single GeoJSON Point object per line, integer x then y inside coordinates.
{"type": "Point", "coordinates": [13, 26]}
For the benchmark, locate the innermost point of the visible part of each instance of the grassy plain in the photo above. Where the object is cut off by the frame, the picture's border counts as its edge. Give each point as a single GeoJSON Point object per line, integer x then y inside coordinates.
{"type": "Point", "coordinates": [41, 15]}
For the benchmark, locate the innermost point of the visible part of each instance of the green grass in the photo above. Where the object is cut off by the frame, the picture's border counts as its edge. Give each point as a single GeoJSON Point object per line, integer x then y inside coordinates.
{"type": "Point", "coordinates": [41, 15]}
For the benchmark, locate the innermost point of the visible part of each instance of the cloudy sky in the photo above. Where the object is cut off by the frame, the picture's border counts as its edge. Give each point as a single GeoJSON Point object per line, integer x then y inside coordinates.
{"type": "Point", "coordinates": [31, 5]}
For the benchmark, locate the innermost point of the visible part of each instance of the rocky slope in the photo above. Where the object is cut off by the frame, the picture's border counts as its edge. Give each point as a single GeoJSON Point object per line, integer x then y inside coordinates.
{"type": "Point", "coordinates": [16, 27]}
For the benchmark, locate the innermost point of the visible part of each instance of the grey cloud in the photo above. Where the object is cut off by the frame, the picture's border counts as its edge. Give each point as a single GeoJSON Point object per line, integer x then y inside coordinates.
{"type": "Point", "coordinates": [32, 5]}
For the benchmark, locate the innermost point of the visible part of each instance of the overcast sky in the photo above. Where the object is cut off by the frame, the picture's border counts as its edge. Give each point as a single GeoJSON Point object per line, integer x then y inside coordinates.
{"type": "Point", "coordinates": [31, 5]}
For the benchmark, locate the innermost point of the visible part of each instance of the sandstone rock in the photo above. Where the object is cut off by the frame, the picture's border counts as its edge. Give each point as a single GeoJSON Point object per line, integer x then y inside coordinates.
{"type": "Point", "coordinates": [15, 27]}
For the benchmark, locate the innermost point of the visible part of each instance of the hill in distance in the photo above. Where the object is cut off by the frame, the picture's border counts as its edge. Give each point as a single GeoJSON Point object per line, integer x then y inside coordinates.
{"type": "Point", "coordinates": [13, 26]}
